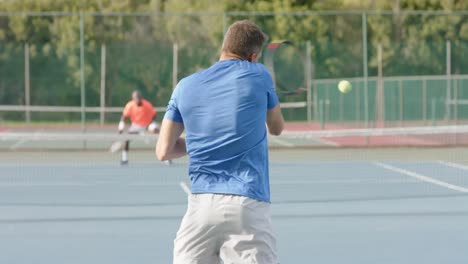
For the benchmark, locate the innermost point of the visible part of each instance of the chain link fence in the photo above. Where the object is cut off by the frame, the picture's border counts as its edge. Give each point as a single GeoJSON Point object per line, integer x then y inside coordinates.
{"type": "Point", "coordinates": [81, 67]}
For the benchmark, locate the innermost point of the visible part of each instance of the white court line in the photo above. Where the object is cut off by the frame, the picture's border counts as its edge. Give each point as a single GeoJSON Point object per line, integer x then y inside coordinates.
{"type": "Point", "coordinates": [185, 187]}
{"type": "Point", "coordinates": [285, 143]}
{"type": "Point", "coordinates": [453, 165]}
{"type": "Point", "coordinates": [50, 184]}
{"type": "Point", "coordinates": [422, 177]}
{"type": "Point", "coordinates": [357, 181]}
{"type": "Point", "coordinates": [80, 184]}
{"type": "Point", "coordinates": [281, 142]}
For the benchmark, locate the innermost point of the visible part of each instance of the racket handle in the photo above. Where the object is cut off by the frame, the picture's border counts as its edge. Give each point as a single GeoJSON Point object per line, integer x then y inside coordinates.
{"type": "Point", "coordinates": [121, 126]}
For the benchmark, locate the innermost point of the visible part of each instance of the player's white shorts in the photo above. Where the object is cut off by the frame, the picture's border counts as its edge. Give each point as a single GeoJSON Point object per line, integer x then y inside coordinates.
{"type": "Point", "coordinates": [231, 228]}
{"type": "Point", "coordinates": [136, 129]}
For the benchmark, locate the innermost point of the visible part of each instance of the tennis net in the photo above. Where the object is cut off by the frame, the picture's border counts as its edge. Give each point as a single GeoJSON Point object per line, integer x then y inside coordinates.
{"type": "Point", "coordinates": [296, 136]}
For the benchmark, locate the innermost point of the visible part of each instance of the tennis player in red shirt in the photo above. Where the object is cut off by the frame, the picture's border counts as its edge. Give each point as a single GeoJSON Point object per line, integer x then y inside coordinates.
{"type": "Point", "coordinates": [143, 117]}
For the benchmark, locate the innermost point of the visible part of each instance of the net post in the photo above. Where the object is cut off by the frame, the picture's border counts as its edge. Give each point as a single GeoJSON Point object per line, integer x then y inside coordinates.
{"type": "Point", "coordinates": [103, 84]}
{"type": "Point", "coordinates": [309, 81]}
{"type": "Point", "coordinates": [175, 62]}
{"type": "Point", "coordinates": [433, 111]}
{"type": "Point", "coordinates": [27, 87]}
{"type": "Point", "coordinates": [448, 77]}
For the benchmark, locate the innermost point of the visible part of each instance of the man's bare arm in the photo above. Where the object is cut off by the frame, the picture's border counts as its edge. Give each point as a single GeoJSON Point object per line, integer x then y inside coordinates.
{"type": "Point", "coordinates": [275, 121]}
{"type": "Point", "coordinates": [170, 145]}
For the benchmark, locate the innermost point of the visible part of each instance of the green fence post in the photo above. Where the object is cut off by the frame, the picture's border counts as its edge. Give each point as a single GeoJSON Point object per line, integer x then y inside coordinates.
{"type": "Point", "coordinates": [82, 77]}
{"type": "Point", "coordinates": [365, 69]}
{"type": "Point", "coordinates": [448, 77]}
{"type": "Point", "coordinates": [424, 101]}
{"type": "Point", "coordinates": [308, 78]}
{"type": "Point", "coordinates": [322, 114]}
{"type": "Point", "coordinates": [27, 87]}
{"type": "Point", "coordinates": [400, 103]}
{"type": "Point", "coordinates": [433, 111]}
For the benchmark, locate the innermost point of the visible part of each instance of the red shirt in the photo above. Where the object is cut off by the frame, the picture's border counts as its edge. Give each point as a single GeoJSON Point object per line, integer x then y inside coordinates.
{"type": "Point", "coordinates": [140, 115]}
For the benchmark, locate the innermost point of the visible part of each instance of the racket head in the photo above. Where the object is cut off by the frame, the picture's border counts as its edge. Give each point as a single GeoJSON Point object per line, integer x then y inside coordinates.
{"type": "Point", "coordinates": [286, 65]}
{"type": "Point", "coordinates": [116, 146]}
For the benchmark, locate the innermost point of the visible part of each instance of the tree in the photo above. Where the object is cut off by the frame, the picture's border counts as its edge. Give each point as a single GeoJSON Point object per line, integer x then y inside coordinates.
{"type": "Point", "coordinates": [140, 46]}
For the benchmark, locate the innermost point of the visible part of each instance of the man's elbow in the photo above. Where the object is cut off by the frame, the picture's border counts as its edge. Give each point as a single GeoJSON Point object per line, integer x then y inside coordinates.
{"type": "Point", "coordinates": [161, 154]}
{"type": "Point", "coordinates": [276, 131]}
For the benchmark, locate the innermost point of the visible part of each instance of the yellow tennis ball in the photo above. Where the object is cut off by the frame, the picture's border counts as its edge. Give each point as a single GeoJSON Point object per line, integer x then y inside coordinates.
{"type": "Point", "coordinates": [344, 86]}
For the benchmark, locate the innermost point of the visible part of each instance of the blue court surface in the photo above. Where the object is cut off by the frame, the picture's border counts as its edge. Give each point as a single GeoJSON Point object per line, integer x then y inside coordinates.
{"type": "Point", "coordinates": [329, 206]}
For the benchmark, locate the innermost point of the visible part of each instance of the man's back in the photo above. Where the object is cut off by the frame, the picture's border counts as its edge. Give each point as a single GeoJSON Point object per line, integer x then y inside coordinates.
{"type": "Point", "coordinates": [224, 109]}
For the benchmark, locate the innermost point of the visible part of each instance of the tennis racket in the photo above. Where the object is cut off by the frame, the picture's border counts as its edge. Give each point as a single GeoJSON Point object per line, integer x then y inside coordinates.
{"type": "Point", "coordinates": [118, 144]}
{"type": "Point", "coordinates": [115, 146]}
{"type": "Point", "coordinates": [286, 66]}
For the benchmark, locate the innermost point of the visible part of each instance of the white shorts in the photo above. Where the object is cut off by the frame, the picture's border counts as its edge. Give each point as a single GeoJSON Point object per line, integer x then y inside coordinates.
{"type": "Point", "coordinates": [136, 129]}
{"type": "Point", "coordinates": [234, 229]}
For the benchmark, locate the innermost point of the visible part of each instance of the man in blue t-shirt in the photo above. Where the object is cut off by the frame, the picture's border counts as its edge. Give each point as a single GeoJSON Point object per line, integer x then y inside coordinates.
{"type": "Point", "coordinates": [223, 110]}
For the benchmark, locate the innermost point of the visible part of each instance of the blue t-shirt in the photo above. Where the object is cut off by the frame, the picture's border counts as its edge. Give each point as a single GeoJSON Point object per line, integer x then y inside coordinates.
{"type": "Point", "coordinates": [223, 109]}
